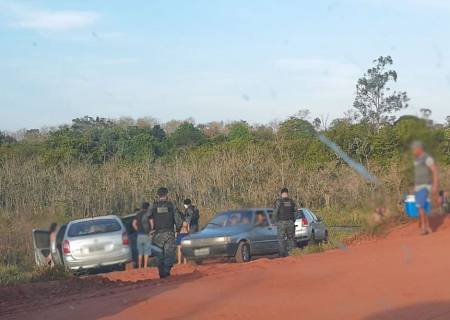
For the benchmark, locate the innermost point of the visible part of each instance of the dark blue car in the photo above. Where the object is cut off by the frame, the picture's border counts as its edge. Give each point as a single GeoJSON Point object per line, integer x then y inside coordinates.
{"type": "Point", "coordinates": [239, 234]}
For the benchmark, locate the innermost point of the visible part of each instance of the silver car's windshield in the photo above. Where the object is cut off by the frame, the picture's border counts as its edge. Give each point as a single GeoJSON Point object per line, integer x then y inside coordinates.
{"type": "Point", "coordinates": [229, 219]}
{"type": "Point", "coordinates": [84, 228]}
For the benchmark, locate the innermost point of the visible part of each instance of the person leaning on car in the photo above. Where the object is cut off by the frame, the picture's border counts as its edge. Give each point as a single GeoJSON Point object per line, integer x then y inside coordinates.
{"type": "Point", "coordinates": [284, 216]}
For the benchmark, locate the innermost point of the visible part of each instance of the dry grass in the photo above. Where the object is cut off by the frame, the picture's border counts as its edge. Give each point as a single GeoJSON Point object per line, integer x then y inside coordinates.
{"type": "Point", "coordinates": [10, 275]}
{"type": "Point", "coordinates": [33, 194]}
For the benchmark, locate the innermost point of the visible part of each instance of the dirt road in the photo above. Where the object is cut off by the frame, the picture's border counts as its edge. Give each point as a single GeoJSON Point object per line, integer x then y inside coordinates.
{"type": "Point", "coordinates": [401, 276]}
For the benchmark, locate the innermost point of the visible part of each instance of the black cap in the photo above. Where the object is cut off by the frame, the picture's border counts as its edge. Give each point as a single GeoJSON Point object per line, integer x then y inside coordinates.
{"type": "Point", "coordinates": [187, 202]}
{"type": "Point", "coordinates": [284, 190]}
{"type": "Point", "coordinates": [145, 205]}
{"type": "Point", "coordinates": [162, 192]}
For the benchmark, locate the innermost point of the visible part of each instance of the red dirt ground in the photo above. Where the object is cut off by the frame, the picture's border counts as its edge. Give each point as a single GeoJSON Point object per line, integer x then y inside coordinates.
{"type": "Point", "coordinates": [401, 276]}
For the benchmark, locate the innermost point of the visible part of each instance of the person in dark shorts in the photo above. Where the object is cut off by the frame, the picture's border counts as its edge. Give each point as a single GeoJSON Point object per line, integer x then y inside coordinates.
{"type": "Point", "coordinates": [426, 183]}
{"type": "Point", "coordinates": [141, 225]}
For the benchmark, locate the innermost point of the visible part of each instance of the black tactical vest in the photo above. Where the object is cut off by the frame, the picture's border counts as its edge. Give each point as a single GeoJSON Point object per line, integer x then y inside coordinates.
{"type": "Point", "coordinates": [163, 213]}
{"type": "Point", "coordinates": [286, 209]}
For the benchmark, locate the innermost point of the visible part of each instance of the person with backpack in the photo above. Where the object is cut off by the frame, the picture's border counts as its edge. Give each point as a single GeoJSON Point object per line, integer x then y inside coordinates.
{"type": "Point", "coordinates": [141, 224]}
{"type": "Point", "coordinates": [193, 213]}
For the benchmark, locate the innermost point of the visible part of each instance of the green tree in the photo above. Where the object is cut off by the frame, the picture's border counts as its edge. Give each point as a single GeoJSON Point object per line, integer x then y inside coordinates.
{"type": "Point", "coordinates": [374, 101]}
{"type": "Point", "coordinates": [239, 132]}
{"type": "Point", "coordinates": [187, 135]}
{"type": "Point", "coordinates": [6, 139]}
{"type": "Point", "coordinates": [158, 132]}
{"type": "Point", "coordinates": [296, 128]}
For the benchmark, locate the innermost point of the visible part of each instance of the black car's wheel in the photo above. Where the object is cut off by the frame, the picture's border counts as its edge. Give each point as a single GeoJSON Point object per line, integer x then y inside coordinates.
{"type": "Point", "coordinates": [243, 252]}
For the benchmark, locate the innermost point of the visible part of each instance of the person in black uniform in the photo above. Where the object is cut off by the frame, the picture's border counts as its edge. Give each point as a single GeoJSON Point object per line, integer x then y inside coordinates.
{"type": "Point", "coordinates": [164, 220]}
{"type": "Point", "coordinates": [284, 215]}
{"type": "Point", "coordinates": [193, 214]}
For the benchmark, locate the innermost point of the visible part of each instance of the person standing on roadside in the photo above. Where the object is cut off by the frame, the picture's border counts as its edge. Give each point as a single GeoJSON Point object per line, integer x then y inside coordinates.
{"type": "Point", "coordinates": [192, 212]}
{"type": "Point", "coordinates": [284, 216]}
{"type": "Point", "coordinates": [141, 224]}
{"type": "Point", "coordinates": [426, 181]}
{"type": "Point", "coordinates": [164, 220]}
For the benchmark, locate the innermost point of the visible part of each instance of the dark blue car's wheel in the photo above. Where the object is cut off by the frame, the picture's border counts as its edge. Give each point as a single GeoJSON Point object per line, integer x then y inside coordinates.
{"type": "Point", "coordinates": [243, 252]}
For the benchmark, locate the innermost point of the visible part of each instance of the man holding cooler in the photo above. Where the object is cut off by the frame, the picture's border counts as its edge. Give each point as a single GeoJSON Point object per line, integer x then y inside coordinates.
{"type": "Point", "coordinates": [426, 181]}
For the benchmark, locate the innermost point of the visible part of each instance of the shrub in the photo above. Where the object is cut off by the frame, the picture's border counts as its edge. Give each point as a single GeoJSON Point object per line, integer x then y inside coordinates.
{"type": "Point", "coordinates": [50, 274]}
{"type": "Point", "coordinates": [11, 275]}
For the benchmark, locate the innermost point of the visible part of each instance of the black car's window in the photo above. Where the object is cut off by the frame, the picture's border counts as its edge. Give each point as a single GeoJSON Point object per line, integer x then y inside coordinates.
{"type": "Point", "coordinates": [261, 219]}
{"type": "Point", "coordinates": [85, 228]}
{"type": "Point", "coordinates": [229, 219]}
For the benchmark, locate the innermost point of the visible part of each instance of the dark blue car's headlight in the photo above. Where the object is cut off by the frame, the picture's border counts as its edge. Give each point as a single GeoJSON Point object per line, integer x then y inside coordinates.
{"type": "Point", "coordinates": [222, 240]}
{"type": "Point", "coordinates": [186, 243]}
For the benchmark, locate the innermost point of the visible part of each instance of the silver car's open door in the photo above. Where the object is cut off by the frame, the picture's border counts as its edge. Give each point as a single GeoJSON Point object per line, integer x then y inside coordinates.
{"type": "Point", "coordinates": [41, 243]}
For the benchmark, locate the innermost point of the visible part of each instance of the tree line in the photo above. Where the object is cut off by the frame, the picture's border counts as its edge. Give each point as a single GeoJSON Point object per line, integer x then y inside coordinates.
{"type": "Point", "coordinates": [370, 131]}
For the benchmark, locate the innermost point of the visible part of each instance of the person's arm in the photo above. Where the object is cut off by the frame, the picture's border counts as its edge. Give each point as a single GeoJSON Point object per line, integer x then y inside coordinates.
{"type": "Point", "coordinates": [276, 209]}
{"type": "Point", "coordinates": [53, 243]}
{"type": "Point", "coordinates": [189, 216]}
{"type": "Point", "coordinates": [135, 224]}
{"type": "Point", "coordinates": [152, 224]}
{"type": "Point", "coordinates": [178, 219]}
{"type": "Point", "coordinates": [151, 220]}
{"type": "Point", "coordinates": [294, 208]}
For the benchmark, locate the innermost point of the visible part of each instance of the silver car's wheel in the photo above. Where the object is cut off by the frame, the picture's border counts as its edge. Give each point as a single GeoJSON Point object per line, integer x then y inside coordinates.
{"type": "Point", "coordinates": [243, 252]}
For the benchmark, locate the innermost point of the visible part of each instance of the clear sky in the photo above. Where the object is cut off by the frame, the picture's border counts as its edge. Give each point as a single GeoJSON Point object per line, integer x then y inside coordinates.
{"type": "Point", "coordinates": [255, 60]}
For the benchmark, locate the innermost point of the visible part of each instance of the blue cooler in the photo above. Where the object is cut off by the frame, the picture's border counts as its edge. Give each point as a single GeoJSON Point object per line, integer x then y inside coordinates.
{"type": "Point", "coordinates": [411, 208]}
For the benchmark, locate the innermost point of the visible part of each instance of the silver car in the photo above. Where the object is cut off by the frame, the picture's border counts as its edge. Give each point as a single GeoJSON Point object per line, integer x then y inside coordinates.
{"type": "Point", "coordinates": [309, 228]}
{"type": "Point", "coordinates": [86, 244]}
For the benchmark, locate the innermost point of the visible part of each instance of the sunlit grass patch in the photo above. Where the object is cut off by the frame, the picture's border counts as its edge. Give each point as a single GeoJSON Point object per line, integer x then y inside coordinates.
{"type": "Point", "coordinates": [11, 274]}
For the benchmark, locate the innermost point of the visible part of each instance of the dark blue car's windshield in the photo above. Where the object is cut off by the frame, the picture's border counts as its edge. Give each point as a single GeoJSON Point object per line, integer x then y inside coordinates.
{"type": "Point", "coordinates": [229, 219]}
